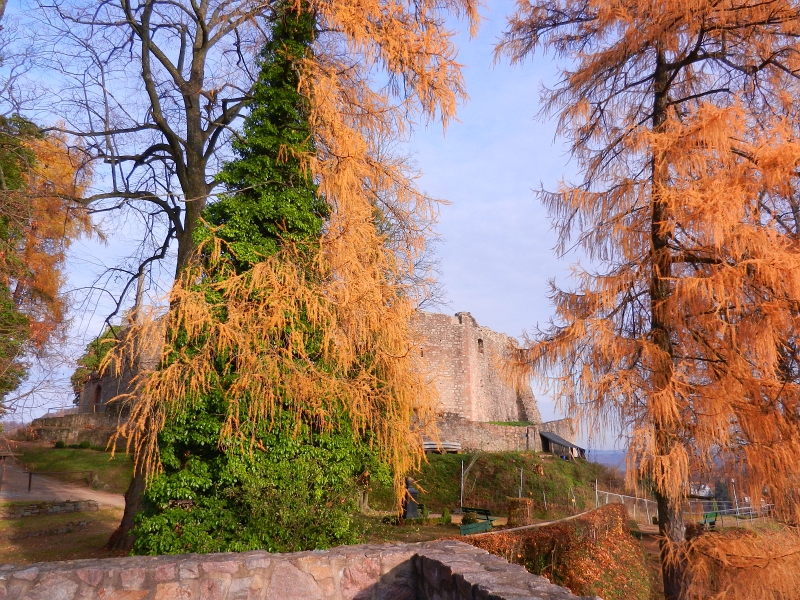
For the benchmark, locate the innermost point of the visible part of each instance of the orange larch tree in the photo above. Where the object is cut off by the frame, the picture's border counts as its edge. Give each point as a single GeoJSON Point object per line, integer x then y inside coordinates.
{"type": "Point", "coordinates": [39, 173]}
{"type": "Point", "coordinates": [682, 118]}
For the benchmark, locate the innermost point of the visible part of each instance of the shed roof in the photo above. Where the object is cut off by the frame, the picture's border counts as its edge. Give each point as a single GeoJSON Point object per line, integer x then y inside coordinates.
{"type": "Point", "coordinates": [557, 439]}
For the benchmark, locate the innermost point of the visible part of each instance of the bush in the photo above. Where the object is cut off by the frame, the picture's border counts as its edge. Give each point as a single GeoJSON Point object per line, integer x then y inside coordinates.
{"type": "Point", "coordinates": [295, 493]}
{"type": "Point", "coordinates": [593, 555]}
{"type": "Point", "coordinates": [84, 445]}
{"type": "Point", "coordinates": [446, 519]}
{"type": "Point", "coordinates": [60, 444]}
{"type": "Point", "coordinates": [469, 518]}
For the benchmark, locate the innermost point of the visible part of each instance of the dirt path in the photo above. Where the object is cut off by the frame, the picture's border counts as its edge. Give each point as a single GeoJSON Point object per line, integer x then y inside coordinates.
{"type": "Point", "coordinates": [14, 488]}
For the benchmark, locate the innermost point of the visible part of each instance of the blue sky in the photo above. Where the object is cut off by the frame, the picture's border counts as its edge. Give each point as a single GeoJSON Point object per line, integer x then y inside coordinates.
{"type": "Point", "coordinates": [497, 253]}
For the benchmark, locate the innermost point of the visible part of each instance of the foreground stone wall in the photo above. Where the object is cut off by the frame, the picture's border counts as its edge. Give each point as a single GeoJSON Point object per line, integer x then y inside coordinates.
{"type": "Point", "coordinates": [445, 570]}
{"type": "Point", "coordinates": [462, 359]}
{"type": "Point", "coordinates": [489, 437]}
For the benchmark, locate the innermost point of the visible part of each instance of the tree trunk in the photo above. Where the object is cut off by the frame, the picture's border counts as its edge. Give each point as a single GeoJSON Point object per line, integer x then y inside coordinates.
{"type": "Point", "coordinates": [670, 519]}
{"type": "Point", "coordinates": [122, 538]}
{"type": "Point", "coordinates": [673, 562]}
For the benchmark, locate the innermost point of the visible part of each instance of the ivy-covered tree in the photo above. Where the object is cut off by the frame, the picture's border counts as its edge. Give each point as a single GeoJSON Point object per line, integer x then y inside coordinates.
{"type": "Point", "coordinates": [295, 487]}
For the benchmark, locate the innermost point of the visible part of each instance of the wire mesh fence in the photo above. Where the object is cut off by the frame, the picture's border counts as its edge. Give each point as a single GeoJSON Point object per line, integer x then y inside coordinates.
{"type": "Point", "coordinates": [708, 512]}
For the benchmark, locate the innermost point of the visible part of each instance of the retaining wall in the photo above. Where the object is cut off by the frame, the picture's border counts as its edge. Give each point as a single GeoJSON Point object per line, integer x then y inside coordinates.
{"type": "Point", "coordinates": [445, 570]}
{"type": "Point", "coordinates": [95, 428]}
{"type": "Point", "coordinates": [490, 437]}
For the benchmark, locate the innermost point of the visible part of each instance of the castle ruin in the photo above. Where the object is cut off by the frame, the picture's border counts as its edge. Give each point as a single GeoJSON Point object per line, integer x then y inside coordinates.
{"type": "Point", "coordinates": [478, 409]}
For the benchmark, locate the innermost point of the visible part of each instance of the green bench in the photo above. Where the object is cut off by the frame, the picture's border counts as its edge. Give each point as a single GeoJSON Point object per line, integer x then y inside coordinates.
{"type": "Point", "coordinates": [484, 523]}
{"type": "Point", "coordinates": [478, 527]}
{"type": "Point", "coordinates": [709, 520]}
{"type": "Point", "coordinates": [484, 514]}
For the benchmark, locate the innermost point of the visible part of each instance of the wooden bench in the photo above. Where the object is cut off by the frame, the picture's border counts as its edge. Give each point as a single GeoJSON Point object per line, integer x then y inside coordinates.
{"type": "Point", "coordinates": [484, 514]}
{"type": "Point", "coordinates": [478, 527]}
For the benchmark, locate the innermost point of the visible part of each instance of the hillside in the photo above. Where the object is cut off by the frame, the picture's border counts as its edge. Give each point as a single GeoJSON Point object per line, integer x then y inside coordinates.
{"type": "Point", "coordinates": [496, 476]}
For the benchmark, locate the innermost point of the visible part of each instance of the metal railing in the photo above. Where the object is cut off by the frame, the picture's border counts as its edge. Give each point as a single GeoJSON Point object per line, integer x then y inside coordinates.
{"type": "Point", "coordinates": [694, 509]}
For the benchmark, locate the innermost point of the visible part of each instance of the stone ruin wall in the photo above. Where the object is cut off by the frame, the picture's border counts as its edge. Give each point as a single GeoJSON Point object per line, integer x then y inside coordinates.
{"type": "Point", "coordinates": [463, 360]}
{"type": "Point", "coordinates": [445, 570]}
{"type": "Point", "coordinates": [489, 437]}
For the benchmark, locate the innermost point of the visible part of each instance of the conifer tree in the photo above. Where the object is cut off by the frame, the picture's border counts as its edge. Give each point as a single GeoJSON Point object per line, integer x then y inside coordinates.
{"type": "Point", "coordinates": [271, 195]}
{"type": "Point", "coordinates": [682, 117]}
{"type": "Point", "coordinates": [37, 225]}
{"type": "Point", "coordinates": [317, 333]}
{"type": "Point", "coordinates": [294, 488]}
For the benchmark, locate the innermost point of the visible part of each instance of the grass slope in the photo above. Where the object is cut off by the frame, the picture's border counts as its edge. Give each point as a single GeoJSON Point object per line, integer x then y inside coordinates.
{"type": "Point", "coordinates": [86, 542]}
{"type": "Point", "coordinates": [495, 477]}
{"type": "Point", "coordinates": [116, 473]}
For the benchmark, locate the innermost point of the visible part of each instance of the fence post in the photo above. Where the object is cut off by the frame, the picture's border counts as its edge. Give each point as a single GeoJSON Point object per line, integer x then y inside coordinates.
{"type": "Point", "coordinates": [647, 509]}
{"type": "Point", "coordinates": [461, 493]}
{"type": "Point", "coordinates": [544, 497]}
{"type": "Point", "coordinates": [520, 482]}
{"type": "Point", "coordinates": [596, 503]}
{"type": "Point", "coordinates": [30, 478]}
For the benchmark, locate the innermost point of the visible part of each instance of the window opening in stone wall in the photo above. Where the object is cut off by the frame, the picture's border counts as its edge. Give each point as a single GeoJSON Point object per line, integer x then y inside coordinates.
{"type": "Point", "coordinates": [422, 353]}
{"type": "Point", "coordinates": [98, 394]}
{"type": "Point", "coordinates": [480, 346]}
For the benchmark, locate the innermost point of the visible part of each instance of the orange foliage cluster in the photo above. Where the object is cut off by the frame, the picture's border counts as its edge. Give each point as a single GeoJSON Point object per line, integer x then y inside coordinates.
{"type": "Point", "coordinates": [53, 224]}
{"type": "Point", "coordinates": [43, 224]}
{"type": "Point", "coordinates": [739, 564]}
{"type": "Point", "coordinates": [591, 555]}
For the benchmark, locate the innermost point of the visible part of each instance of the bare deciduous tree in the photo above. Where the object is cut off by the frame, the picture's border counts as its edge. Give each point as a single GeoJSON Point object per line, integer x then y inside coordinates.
{"type": "Point", "coordinates": [152, 89]}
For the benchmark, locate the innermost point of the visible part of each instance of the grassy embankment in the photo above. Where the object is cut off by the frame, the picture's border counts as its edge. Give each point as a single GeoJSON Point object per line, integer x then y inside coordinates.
{"type": "Point", "coordinates": [110, 475]}
{"type": "Point", "coordinates": [83, 542]}
{"type": "Point", "coordinates": [495, 477]}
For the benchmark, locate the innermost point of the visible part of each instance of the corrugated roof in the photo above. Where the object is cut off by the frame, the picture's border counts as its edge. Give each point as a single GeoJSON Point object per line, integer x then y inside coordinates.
{"type": "Point", "coordinates": [557, 439]}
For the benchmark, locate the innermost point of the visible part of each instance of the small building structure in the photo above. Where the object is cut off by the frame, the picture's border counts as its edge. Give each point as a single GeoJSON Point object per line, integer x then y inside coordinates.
{"type": "Point", "coordinates": [554, 443]}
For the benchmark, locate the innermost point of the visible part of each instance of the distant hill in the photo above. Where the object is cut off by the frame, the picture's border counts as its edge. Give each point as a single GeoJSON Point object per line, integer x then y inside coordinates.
{"type": "Point", "coordinates": [613, 459]}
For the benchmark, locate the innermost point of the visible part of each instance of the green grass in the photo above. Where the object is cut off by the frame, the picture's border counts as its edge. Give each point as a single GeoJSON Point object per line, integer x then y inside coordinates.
{"type": "Point", "coordinates": [512, 423]}
{"type": "Point", "coordinates": [86, 542]}
{"type": "Point", "coordinates": [372, 530]}
{"type": "Point", "coordinates": [115, 473]}
{"type": "Point", "coordinates": [495, 477]}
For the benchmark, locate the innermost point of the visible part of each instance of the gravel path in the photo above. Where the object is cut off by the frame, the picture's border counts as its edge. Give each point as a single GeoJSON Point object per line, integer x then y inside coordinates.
{"type": "Point", "coordinates": [14, 488]}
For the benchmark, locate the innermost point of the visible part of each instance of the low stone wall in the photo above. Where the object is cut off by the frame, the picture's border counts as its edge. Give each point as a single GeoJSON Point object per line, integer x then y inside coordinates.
{"type": "Point", "coordinates": [95, 428]}
{"type": "Point", "coordinates": [490, 437]}
{"type": "Point", "coordinates": [66, 528]}
{"type": "Point", "coordinates": [48, 508]}
{"type": "Point", "coordinates": [445, 570]}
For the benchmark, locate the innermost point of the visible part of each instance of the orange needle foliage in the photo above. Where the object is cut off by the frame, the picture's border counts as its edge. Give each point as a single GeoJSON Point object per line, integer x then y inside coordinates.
{"type": "Point", "coordinates": [51, 225]}
{"type": "Point", "coordinates": [682, 116]}
{"type": "Point", "coordinates": [43, 224]}
{"type": "Point", "coordinates": [354, 292]}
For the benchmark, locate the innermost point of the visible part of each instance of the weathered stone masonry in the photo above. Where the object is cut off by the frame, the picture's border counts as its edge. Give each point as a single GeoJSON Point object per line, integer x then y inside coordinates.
{"type": "Point", "coordinates": [489, 437]}
{"type": "Point", "coordinates": [462, 359]}
{"type": "Point", "coordinates": [445, 570]}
